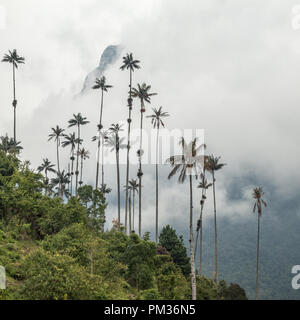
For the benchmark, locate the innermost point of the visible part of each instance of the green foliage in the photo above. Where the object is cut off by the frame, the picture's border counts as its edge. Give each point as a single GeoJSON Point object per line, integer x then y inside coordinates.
{"type": "Point", "coordinates": [140, 256]}
{"type": "Point", "coordinates": [95, 203]}
{"type": "Point", "coordinates": [175, 246]}
{"type": "Point", "coordinates": [57, 277]}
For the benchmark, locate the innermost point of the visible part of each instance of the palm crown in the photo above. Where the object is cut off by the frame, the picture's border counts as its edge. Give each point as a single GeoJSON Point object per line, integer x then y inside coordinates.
{"type": "Point", "coordinates": [142, 93]}
{"type": "Point", "coordinates": [70, 140]}
{"type": "Point", "coordinates": [133, 185]}
{"type": "Point", "coordinates": [257, 195]}
{"type": "Point", "coordinates": [203, 184]}
{"type": "Point", "coordinates": [212, 163]}
{"type": "Point", "coordinates": [8, 145]}
{"type": "Point", "coordinates": [46, 166]}
{"type": "Point", "coordinates": [14, 58]}
{"type": "Point", "coordinates": [130, 63]}
{"type": "Point", "coordinates": [84, 154]}
{"type": "Point", "coordinates": [156, 117]}
{"type": "Point", "coordinates": [101, 84]}
{"type": "Point", "coordinates": [56, 134]}
{"type": "Point", "coordinates": [78, 120]}
{"type": "Point", "coordinates": [188, 161]}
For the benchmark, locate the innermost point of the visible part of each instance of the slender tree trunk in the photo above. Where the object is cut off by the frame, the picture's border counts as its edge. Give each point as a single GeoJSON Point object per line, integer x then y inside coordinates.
{"type": "Point", "coordinates": [118, 186]}
{"type": "Point", "coordinates": [130, 212]}
{"type": "Point", "coordinates": [156, 178]}
{"type": "Point", "coordinates": [15, 105]}
{"type": "Point", "coordinates": [72, 172]}
{"type": "Point", "coordinates": [193, 269]}
{"type": "Point", "coordinates": [128, 149]}
{"type": "Point", "coordinates": [81, 169]}
{"type": "Point", "coordinates": [102, 164]}
{"type": "Point", "coordinates": [69, 176]}
{"type": "Point", "coordinates": [133, 205]}
{"type": "Point", "coordinates": [57, 155]}
{"type": "Point", "coordinates": [98, 150]}
{"type": "Point", "coordinates": [257, 254]}
{"type": "Point", "coordinates": [77, 161]}
{"type": "Point", "coordinates": [140, 173]}
{"type": "Point", "coordinates": [201, 240]}
{"type": "Point", "coordinates": [216, 234]}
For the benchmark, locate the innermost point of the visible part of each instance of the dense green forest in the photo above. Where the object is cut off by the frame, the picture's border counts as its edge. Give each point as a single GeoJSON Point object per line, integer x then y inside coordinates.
{"type": "Point", "coordinates": [55, 249]}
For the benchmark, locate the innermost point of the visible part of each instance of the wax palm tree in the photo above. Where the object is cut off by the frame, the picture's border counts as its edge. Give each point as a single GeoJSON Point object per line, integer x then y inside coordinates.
{"type": "Point", "coordinates": [84, 154]}
{"type": "Point", "coordinates": [13, 58]}
{"type": "Point", "coordinates": [188, 164]}
{"type": "Point", "coordinates": [129, 64]}
{"type": "Point", "coordinates": [46, 166]}
{"type": "Point", "coordinates": [204, 185]}
{"type": "Point", "coordinates": [57, 134]}
{"type": "Point", "coordinates": [78, 121]}
{"type": "Point", "coordinates": [257, 196]}
{"type": "Point", "coordinates": [143, 94]}
{"type": "Point", "coordinates": [117, 143]}
{"type": "Point", "coordinates": [60, 183]}
{"type": "Point", "coordinates": [212, 164]}
{"type": "Point", "coordinates": [100, 84]}
{"type": "Point", "coordinates": [9, 146]}
{"type": "Point", "coordinates": [71, 141]}
{"type": "Point", "coordinates": [135, 189]}
{"type": "Point", "coordinates": [156, 120]}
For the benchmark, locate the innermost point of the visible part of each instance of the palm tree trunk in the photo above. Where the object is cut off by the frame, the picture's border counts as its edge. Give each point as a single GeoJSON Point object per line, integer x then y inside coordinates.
{"type": "Point", "coordinates": [193, 269]}
{"type": "Point", "coordinates": [72, 172]}
{"type": "Point", "coordinates": [128, 149]}
{"type": "Point", "coordinates": [257, 255]}
{"type": "Point", "coordinates": [69, 176]}
{"type": "Point", "coordinates": [15, 104]}
{"type": "Point", "coordinates": [140, 174]}
{"type": "Point", "coordinates": [201, 241]}
{"type": "Point", "coordinates": [77, 161]}
{"type": "Point", "coordinates": [133, 205]}
{"type": "Point", "coordinates": [81, 169]}
{"type": "Point", "coordinates": [216, 234]}
{"type": "Point", "coordinates": [57, 155]}
{"type": "Point", "coordinates": [130, 213]}
{"type": "Point", "coordinates": [98, 150]}
{"type": "Point", "coordinates": [118, 186]}
{"type": "Point", "coordinates": [156, 178]}
{"type": "Point", "coordinates": [102, 163]}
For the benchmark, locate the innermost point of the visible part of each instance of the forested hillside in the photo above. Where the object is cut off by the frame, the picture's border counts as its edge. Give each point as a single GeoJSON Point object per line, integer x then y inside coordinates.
{"type": "Point", "coordinates": [58, 249]}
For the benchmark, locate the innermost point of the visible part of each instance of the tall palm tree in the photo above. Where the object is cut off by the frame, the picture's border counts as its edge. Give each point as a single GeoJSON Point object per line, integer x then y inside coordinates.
{"type": "Point", "coordinates": [57, 134]}
{"type": "Point", "coordinates": [129, 64]}
{"type": "Point", "coordinates": [257, 196]}
{"type": "Point", "coordinates": [71, 141]}
{"type": "Point", "coordinates": [100, 84]}
{"type": "Point", "coordinates": [78, 121]}
{"type": "Point", "coordinates": [135, 189]}
{"type": "Point", "coordinates": [61, 180]}
{"type": "Point", "coordinates": [84, 154]}
{"type": "Point", "coordinates": [117, 143]}
{"type": "Point", "coordinates": [156, 120]}
{"type": "Point", "coordinates": [204, 185]}
{"type": "Point", "coordinates": [188, 164]}
{"type": "Point", "coordinates": [212, 164]}
{"type": "Point", "coordinates": [13, 58]}
{"type": "Point", "coordinates": [46, 166]}
{"type": "Point", "coordinates": [105, 189]}
{"type": "Point", "coordinates": [143, 94]}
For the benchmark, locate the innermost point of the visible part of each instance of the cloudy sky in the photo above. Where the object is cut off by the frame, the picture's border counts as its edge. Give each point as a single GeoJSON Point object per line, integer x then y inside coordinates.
{"type": "Point", "coordinates": [229, 67]}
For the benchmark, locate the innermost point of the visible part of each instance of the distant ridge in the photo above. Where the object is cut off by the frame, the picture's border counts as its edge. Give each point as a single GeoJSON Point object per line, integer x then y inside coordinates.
{"type": "Point", "coordinates": [109, 56]}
